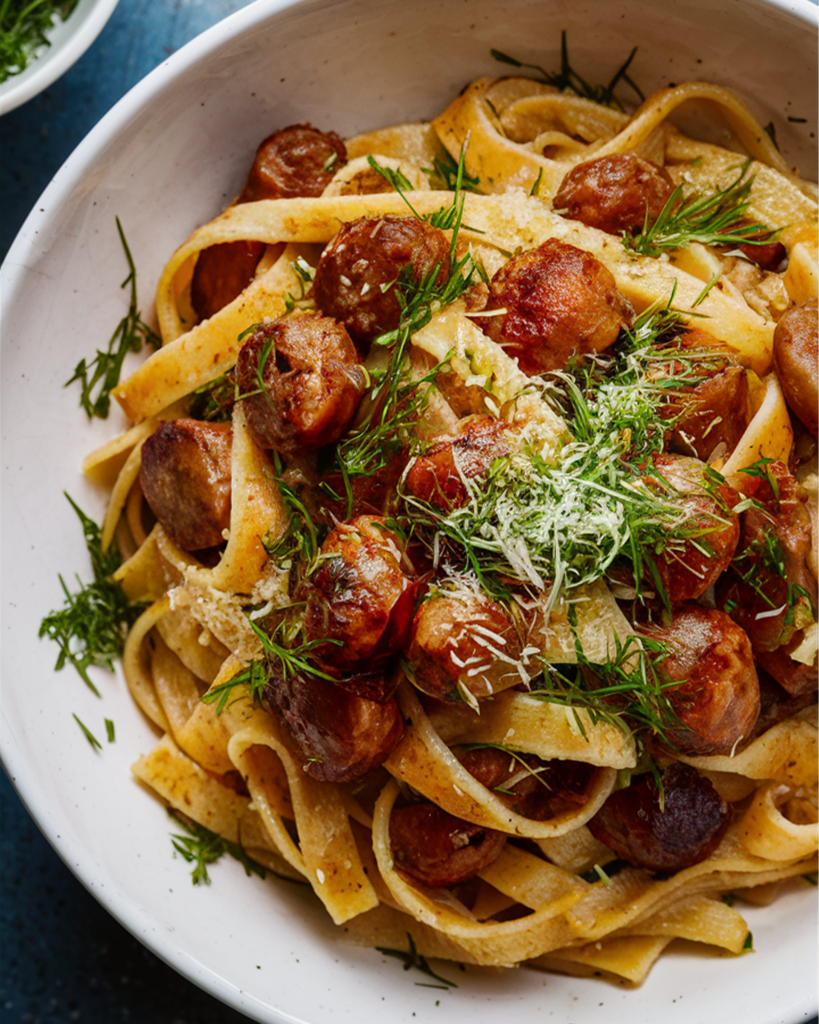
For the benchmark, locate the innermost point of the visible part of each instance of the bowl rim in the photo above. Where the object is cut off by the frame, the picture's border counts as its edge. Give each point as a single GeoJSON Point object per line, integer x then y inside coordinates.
{"type": "Point", "coordinates": [12, 275]}
{"type": "Point", "coordinates": [54, 61]}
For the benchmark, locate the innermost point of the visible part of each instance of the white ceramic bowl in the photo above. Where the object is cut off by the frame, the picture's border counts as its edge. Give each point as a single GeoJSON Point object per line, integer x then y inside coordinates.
{"type": "Point", "coordinates": [68, 40]}
{"type": "Point", "coordinates": [164, 160]}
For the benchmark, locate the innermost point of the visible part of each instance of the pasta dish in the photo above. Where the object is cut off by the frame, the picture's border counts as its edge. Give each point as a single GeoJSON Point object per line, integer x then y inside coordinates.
{"type": "Point", "coordinates": [470, 499]}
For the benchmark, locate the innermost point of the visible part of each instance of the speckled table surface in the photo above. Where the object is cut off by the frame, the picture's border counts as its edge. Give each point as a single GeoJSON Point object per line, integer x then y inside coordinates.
{"type": "Point", "coordinates": [63, 957]}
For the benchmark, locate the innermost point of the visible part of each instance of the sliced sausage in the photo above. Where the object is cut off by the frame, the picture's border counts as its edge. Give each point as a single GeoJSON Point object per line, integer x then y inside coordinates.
{"type": "Point", "coordinates": [222, 272]}
{"type": "Point", "coordinates": [766, 255]}
{"type": "Point", "coordinates": [664, 830]}
{"type": "Point", "coordinates": [357, 278]}
{"type": "Point", "coordinates": [301, 382]}
{"type": "Point", "coordinates": [341, 735]}
{"type": "Point", "coordinates": [560, 301]}
{"type": "Point", "coordinates": [531, 787]}
{"type": "Point", "coordinates": [689, 564]}
{"type": "Point", "coordinates": [439, 475]}
{"type": "Point", "coordinates": [769, 590]}
{"type": "Point", "coordinates": [186, 479]}
{"type": "Point", "coordinates": [716, 698]}
{"type": "Point", "coordinates": [464, 648]}
{"type": "Point", "coordinates": [359, 597]}
{"type": "Point", "coordinates": [614, 193]}
{"type": "Point", "coordinates": [712, 411]}
{"type": "Point", "coordinates": [437, 849]}
{"type": "Point", "coordinates": [796, 358]}
{"type": "Point", "coordinates": [296, 161]}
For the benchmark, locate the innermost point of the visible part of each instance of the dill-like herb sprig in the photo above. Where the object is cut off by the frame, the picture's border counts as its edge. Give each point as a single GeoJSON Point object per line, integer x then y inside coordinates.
{"type": "Point", "coordinates": [413, 958]}
{"type": "Point", "coordinates": [398, 403]}
{"type": "Point", "coordinates": [287, 657]}
{"type": "Point", "coordinates": [444, 174]}
{"type": "Point", "coordinates": [568, 78]}
{"type": "Point", "coordinates": [91, 627]}
{"type": "Point", "coordinates": [202, 847]}
{"type": "Point", "coordinates": [24, 27]}
{"type": "Point", "coordinates": [213, 402]}
{"type": "Point", "coordinates": [92, 739]}
{"type": "Point", "coordinates": [519, 758]}
{"type": "Point", "coordinates": [104, 370]}
{"type": "Point", "coordinates": [718, 219]}
{"type": "Point", "coordinates": [299, 542]}
{"type": "Point", "coordinates": [629, 690]}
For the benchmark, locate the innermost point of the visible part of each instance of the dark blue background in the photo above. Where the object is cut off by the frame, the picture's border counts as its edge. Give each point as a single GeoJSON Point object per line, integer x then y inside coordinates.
{"type": "Point", "coordinates": [63, 957]}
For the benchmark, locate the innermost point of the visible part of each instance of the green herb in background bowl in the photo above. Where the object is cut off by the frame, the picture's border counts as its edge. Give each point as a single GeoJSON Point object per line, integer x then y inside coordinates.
{"type": "Point", "coordinates": [24, 26]}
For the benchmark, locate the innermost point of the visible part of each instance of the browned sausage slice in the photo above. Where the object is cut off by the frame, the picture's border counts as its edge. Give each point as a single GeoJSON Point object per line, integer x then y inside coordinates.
{"type": "Point", "coordinates": [769, 590]}
{"type": "Point", "coordinates": [342, 736]}
{"type": "Point", "coordinates": [360, 597]}
{"type": "Point", "coordinates": [532, 787]}
{"type": "Point", "coordinates": [464, 648]}
{"type": "Point", "coordinates": [186, 479]}
{"type": "Point", "coordinates": [356, 277]}
{"type": "Point", "coordinates": [796, 357]}
{"type": "Point", "coordinates": [614, 193]}
{"type": "Point", "coordinates": [296, 161]}
{"type": "Point", "coordinates": [717, 696]}
{"type": "Point", "coordinates": [221, 273]}
{"type": "Point", "coordinates": [663, 833]}
{"type": "Point", "coordinates": [437, 849]}
{"type": "Point", "coordinates": [689, 565]}
{"type": "Point", "coordinates": [560, 301]}
{"type": "Point", "coordinates": [438, 475]}
{"type": "Point", "coordinates": [301, 382]}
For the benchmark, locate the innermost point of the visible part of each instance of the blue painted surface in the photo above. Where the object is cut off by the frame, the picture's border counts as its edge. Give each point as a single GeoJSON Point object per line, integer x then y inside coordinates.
{"type": "Point", "coordinates": [64, 958]}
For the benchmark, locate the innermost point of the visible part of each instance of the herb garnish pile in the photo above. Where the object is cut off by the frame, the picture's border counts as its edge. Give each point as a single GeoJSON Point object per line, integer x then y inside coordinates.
{"type": "Point", "coordinates": [718, 219]}
{"type": "Point", "coordinates": [561, 525]}
{"type": "Point", "coordinates": [24, 27]}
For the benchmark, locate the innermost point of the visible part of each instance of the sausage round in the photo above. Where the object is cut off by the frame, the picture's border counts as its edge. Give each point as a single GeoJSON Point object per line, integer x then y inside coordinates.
{"type": "Point", "coordinates": [663, 832]}
{"type": "Point", "coordinates": [531, 787]}
{"type": "Point", "coordinates": [560, 301]}
{"type": "Point", "coordinates": [359, 597]}
{"type": "Point", "coordinates": [341, 735]}
{"type": "Point", "coordinates": [711, 411]}
{"type": "Point", "coordinates": [614, 193]}
{"type": "Point", "coordinates": [438, 476]}
{"type": "Point", "coordinates": [438, 849]}
{"type": "Point", "coordinates": [769, 590]}
{"type": "Point", "coordinates": [186, 479]}
{"type": "Point", "coordinates": [796, 357]}
{"type": "Point", "coordinates": [221, 273]}
{"type": "Point", "coordinates": [296, 161]}
{"type": "Point", "coordinates": [355, 280]}
{"type": "Point", "coordinates": [716, 698]}
{"type": "Point", "coordinates": [312, 382]}
{"type": "Point", "coordinates": [688, 566]}
{"type": "Point", "coordinates": [464, 647]}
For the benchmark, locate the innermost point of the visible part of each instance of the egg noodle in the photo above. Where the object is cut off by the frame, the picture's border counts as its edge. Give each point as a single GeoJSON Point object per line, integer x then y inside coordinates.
{"type": "Point", "coordinates": [547, 899]}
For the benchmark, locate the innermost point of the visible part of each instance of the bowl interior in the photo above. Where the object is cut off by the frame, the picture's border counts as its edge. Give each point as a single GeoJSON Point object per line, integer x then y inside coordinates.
{"type": "Point", "coordinates": [167, 158]}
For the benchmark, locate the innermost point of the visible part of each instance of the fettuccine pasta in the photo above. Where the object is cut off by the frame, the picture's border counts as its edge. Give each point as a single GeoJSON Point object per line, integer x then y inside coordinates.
{"type": "Point", "coordinates": [395, 646]}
